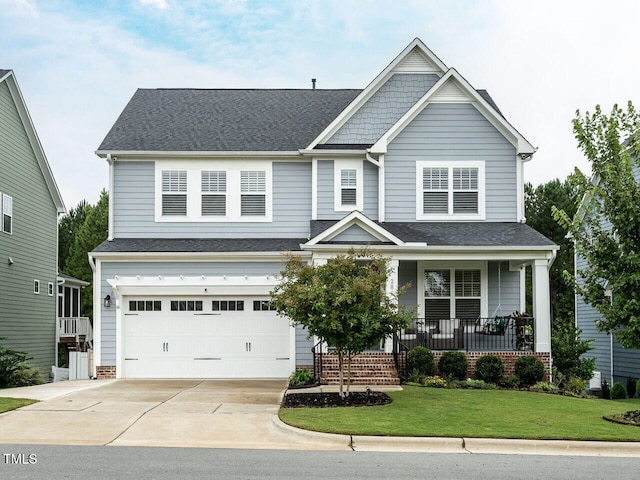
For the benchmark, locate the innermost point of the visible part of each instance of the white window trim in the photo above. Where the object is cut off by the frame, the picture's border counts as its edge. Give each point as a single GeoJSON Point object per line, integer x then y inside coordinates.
{"type": "Point", "coordinates": [2, 208]}
{"type": "Point", "coordinates": [452, 266]}
{"type": "Point", "coordinates": [338, 166]}
{"type": "Point", "coordinates": [36, 287]}
{"type": "Point", "coordinates": [481, 215]}
{"type": "Point", "coordinates": [50, 289]}
{"type": "Point", "coordinates": [194, 189]}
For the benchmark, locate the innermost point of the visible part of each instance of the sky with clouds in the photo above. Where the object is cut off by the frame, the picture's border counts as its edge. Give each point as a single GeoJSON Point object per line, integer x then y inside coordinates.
{"type": "Point", "coordinates": [79, 62]}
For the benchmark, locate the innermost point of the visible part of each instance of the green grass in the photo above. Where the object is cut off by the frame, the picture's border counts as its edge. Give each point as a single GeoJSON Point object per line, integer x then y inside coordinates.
{"type": "Point", "coordinates": [435, 412]}
{"type": "Point", "coordinates": [7, 404]}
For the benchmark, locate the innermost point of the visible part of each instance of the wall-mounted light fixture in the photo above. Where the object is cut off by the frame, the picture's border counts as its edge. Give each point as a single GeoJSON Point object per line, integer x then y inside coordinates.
{"type": "Point", "coordinates": [10, 261]}
{"type": "Point", "coordinates": [107, 301]}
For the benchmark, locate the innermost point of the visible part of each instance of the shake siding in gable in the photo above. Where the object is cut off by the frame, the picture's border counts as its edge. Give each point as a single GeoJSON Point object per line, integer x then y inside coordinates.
{"type": "Point", "coordinates": [134, 204]}
{"type": "Point", "coordinates": [450, 132]}
{"type": "Point", "coordinates": [26, 319]}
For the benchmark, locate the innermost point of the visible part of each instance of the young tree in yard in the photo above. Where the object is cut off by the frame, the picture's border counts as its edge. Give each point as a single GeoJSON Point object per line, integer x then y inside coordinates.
{"type": "Point", "coordinates": [67, 229]}
{"type": "Point", "coordinates": [343, 302]}
{"type": "Point", "coordinates": [91, 233]}
{"type": "Point", "coordinates": [606, 230]}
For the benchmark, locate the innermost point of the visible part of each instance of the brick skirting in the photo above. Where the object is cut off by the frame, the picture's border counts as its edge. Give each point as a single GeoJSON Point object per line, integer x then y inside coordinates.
{"type": "Point", "coordinates": [105, 372]}
{"type": "Point", "coordinates": [508, 359]}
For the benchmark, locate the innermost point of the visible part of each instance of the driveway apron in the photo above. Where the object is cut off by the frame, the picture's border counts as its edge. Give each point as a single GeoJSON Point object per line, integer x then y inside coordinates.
{"type": "Point", "coordinates": [161, 413]}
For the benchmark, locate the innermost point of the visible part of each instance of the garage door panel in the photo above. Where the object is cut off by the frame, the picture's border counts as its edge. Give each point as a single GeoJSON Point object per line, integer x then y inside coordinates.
{"type": "Point", "coordinates": [204, 344]}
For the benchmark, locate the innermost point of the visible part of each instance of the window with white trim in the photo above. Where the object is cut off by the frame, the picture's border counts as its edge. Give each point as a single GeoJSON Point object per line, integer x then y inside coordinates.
{"type": "Point", "coordinates": [174, 193]}
{"type": "Point", "coordinates": [36, 287]}
{"type": "Point", "coordinates": [454, 190]}
{"type": "Point", "coordinates": [348, 185]}
{"type": "Point", "coordinates": [214, 193]}
{"type": "Point", "coordinates": [7, 214]}
{"type": "Point", "coordinates": [253, 197]}
{"type": "Point", "coordinates": [50, 289]}
{"type": "Point", "coordinates": [441, 301]}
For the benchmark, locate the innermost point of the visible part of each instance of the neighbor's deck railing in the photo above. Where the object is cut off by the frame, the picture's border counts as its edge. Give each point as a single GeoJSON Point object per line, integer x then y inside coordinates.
{"type": "Point", "coordinates": [496, 334]}
{"type": "Point", "coordinates": [75, 327]}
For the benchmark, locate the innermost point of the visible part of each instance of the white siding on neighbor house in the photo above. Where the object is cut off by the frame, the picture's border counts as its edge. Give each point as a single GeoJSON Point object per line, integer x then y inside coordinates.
{"type": "Point", "coordinates": [167, 269]}
{"type": "Point", "coordinates": [384, 108]}
{"type": "Point", "coordinates": [134, 206]}
{"type": "Point", "coordinates": [450, 132]}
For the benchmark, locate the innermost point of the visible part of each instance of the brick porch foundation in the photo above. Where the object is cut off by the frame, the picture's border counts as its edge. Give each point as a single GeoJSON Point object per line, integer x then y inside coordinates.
{"type": "Point", "coordinates": [104, 372]}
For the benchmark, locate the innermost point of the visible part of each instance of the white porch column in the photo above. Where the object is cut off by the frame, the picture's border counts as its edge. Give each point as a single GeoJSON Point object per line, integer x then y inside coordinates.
{"type": "Point", "coordinates": [391, 290]}
{"type": "Point", "coordinates": [541, 306]}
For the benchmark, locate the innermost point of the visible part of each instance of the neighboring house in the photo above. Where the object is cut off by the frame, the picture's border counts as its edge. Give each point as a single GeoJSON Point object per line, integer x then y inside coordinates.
{"type": "Point", "coordinates": [30, 203]}
{"type": "Point", "coordinates": [208, 189]}
{"type": "Point", "coordinates": [614, 363]}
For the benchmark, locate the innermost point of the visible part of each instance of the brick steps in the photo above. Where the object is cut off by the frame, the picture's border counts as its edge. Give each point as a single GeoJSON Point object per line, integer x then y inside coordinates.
{"type": "Point", "coordinates": [370, 368]}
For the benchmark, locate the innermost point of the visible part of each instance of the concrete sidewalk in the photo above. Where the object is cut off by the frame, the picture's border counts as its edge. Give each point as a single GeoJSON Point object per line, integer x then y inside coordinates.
{"type": "Point", "coordinates": [222, 414]}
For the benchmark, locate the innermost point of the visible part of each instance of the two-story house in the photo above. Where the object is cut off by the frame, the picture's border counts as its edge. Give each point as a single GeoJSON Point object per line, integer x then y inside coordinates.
{"type": "Point", "coordinates": [208, 189]}
{"type": "Point", "coordinates": [30, 203]}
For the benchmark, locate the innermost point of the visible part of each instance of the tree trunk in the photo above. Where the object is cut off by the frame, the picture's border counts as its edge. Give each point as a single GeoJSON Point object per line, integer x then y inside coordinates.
{"type": "Point", "coordinates": [348, 372]}
{"type": "Point", "coordinates": [340, 372]}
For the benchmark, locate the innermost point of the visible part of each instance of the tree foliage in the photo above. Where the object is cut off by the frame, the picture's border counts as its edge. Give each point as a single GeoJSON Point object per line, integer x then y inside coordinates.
{"type": "Point", "coordinates": [343, 302]}
{"type": "Point", "coordinates": [91, 233]}
{"type": "Point", "coordinates": [606, 229]}
{"type": "Point", "coordinates": [67, 230]}
{"type": "Point", "coordinates": [539, 203]}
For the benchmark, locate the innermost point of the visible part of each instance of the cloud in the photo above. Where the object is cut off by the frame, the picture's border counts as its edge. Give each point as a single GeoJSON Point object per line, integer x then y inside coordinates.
{"type": "Point", "coordinates": [160, 4]}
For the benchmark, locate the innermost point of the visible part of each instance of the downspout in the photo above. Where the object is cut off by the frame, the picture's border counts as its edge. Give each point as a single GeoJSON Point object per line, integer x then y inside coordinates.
{"type": "Point", "coordinates": [111, 160]}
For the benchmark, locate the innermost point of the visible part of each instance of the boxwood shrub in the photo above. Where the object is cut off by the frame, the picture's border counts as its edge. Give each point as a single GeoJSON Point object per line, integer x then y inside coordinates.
{"type": "Point", "coordinates": [529, 370]}
{"type": "Point", "coordinates": [420, 360]}
{"type": "Point", "coordinates": [489, 368]}
{"type": "Point", "coordinates": [453, 364]}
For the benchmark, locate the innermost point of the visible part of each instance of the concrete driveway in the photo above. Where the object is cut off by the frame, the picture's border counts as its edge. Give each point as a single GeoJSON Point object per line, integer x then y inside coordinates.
{"type": "Point", "coordinates": [162, 413]}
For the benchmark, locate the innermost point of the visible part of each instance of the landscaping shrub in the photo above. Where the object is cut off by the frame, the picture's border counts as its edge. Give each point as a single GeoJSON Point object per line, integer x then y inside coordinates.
{"type": "Point", "coordinates": [489, 368]}
{"type": "Point", "coordinates": [453, 364]}
{"type": "Point", "coordinates": [415, 376]}
{"type": "Point", "coordinates": [631, 387]}
{"type": "Point", "coordinates": [301, 377]}
{"type": "Point", "coordinates": [434, 382]}
{"type": "Point", "coordinates": [575, 386]}
{"type": "Point", "coordinates": [618, 392]}
{"type": "Point", "coordinates": [421, 359]}
{"type": "Point", "coordinates": [529, 370]}
{"type": "Point", "coordinates": [544, 387]}
{"type": "Point", "coordinates": [14, 370]}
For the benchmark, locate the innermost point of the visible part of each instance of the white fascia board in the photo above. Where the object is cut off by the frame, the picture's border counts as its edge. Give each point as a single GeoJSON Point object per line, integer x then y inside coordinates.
{"type": "Point", "coordinates": [361, 220]}
{"type": "Point", "coordinates": [154, 154]}
{"type": "Point", "coordinates": [523, 147]}
{"type": "Point", "coordinates": [34, 141]}
{"type": "Point", "coordinates": [373, 87]}
{"type": "Point", "coordinates": [333, 153]}
{"type": "Point", "coordinates": [203, 280]}
{"type": "Point", "coordinates": [190, 256]}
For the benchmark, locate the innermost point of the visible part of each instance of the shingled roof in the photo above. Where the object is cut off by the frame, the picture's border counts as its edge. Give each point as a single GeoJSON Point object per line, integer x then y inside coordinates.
{"type": "Point", "coordinates": [210, 245]}
{"type": "Point", "coordinates": [224, 120]}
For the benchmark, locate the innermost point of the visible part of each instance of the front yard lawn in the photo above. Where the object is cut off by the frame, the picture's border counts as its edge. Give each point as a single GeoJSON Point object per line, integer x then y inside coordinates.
{"type": "Point", "coordinates": [7, 404]}
{"type": "Point", "coordinates": [441, 412]}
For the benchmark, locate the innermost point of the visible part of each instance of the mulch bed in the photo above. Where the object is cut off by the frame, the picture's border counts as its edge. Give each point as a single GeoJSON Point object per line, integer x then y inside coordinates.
{"type": "Point", "coordinates": [332, 399]}
{"type": "Point", "coordinates": [630, 418]}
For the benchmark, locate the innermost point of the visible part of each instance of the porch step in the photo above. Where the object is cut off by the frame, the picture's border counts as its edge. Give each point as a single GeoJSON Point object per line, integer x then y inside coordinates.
{"type": "Point", "coordinates": [369, 368]}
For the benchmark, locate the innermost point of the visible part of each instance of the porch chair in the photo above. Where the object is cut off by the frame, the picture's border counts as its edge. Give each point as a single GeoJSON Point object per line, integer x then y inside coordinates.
{"type": "Point", "coordinates": [449, 335]}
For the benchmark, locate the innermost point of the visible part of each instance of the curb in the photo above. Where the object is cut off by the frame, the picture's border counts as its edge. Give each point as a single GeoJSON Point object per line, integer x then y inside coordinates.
{"type": "Point", "coordinates": [552, 447]}
{"type": "Point", "coordinates": [408, 444]}
{"type": "Point", "coordinates": [332, 440]}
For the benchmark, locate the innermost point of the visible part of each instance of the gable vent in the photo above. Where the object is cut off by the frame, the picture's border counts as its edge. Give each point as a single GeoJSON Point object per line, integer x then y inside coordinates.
{"type": "Point", "coordinates": [415, 62]}
{"type": "Point", "coordinates": [450, 92]}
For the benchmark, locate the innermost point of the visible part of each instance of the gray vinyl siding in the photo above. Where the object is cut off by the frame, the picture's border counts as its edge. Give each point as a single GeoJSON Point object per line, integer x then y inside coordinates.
{"type": "Point", "coordinates": [134, 206]}
{"type": "Point", "coordinates": [384, 108]}
{"type": "Point", "coordinates": [408, 275]}
{"type": "Point", "coordinates": [354, 234]}
{"type": "Point", "coordinates": [26, 319]}
{"type": "Point", "coordinates": [504, 290]}
{"type": "Point", "coordinates": [450, 132]}
{"type": "Point", "coordinates": [168, 269]}
{"type": "Point", "coordinates": [304, 344]}
{"type": "Point", "coordinates": [326, 191]}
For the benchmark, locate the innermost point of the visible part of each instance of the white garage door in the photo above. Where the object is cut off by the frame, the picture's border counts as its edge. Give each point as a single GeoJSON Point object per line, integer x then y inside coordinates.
{"type": "Point", "coordinates": [210, 337]}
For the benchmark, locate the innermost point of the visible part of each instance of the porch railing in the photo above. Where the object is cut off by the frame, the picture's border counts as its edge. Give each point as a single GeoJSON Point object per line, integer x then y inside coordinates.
{"type": "Point", "coordinates": [495, 334]}
{"type": "Point", "coordinates": [75, 327]}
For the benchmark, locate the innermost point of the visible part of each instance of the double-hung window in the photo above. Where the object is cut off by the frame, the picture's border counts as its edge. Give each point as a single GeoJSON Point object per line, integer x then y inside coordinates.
{"type": "Point", "coordinates": [214, 193]}
{"type": "Point", "coordinates": [348, 187]}
{"type": "Point", "coordinates": [174, 193]}
{"type": "Point", "coordinates": [452, 293]}
{"type": "Point", "coordinates": [7, 214]}
{"type": "Point", "coordinates": [348, 183]}
{"type": "Point", "coordinates": [447, 191]}
{"type": "Point", "coordinates": [253, 193]}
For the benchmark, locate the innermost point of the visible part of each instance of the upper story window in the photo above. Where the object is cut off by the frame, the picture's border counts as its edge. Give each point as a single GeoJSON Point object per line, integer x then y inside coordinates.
{"type": "Point", "coordinates": [7, 214]}
{"type": "Point", "coordinates": [348, 182]}
{"type": "Point", "coordinates": [213, 191]}
{"type": "Point", "coordinates": [174, 192]}
{"type": "Point", "coordinates": [253, 199]}
{"type": "Point", "coordinates": [452, 190]}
